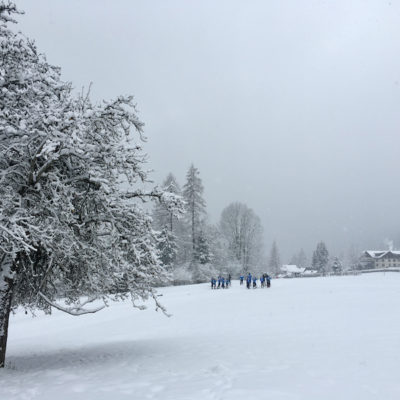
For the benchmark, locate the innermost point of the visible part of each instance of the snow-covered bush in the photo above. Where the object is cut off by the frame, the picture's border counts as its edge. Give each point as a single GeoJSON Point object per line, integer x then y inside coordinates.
{"type": "Point", "coordinates": [182, 275]}
{"type": "Point", "coordinates": [202, 272]}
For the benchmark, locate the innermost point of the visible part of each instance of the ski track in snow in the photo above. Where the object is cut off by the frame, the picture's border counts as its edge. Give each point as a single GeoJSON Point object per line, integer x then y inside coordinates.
{"type": "Point", "coordinates": [311, 338]}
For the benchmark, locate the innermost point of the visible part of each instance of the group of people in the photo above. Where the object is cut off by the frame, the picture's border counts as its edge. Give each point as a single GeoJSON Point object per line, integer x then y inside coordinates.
{"type": "Point", "coordinates": [265, 280]}
{"type": "Point", "coordinates": [224, 283]}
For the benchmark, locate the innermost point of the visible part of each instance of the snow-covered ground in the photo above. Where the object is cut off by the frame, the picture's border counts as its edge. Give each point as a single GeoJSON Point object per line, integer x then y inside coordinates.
{"type": "Point", "coordinates": [315, 338]}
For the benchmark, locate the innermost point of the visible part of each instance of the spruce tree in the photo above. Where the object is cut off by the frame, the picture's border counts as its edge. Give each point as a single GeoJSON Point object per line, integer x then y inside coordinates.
{"type": "Point", "coordinates": [167, 247]}
{"type": "Point", "coordinates": [202, 251]}
{"type": "Point", "coordinates": [337, 266]}
{"type": "Point", "coordinates": [320, 258]}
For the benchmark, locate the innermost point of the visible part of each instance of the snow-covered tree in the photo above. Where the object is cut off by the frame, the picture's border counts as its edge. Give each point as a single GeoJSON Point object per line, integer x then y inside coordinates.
{"type": "Point", "coordinates": [195, 205]}
{"type": "Point", "coordinates": [218, 246]}
{"type": "Point", "coordinates": [274, 261]}
{"type": "Point", "coordinates": [162, 216]}
{"type": "Point", "coordinates": [242, 230]}
{"type": "Point", "coordinates": [320, 258]}
{"type": "Point", "coordinates": [67, 228]}
{"type": "Point", "coordinates": [202, 250]}
{"type": "Point", "coordinates": [167, 247]}
{"type": "Point", "coordinates": [202, 272]}
{"type": "Point", "coordinates": [337, 266]}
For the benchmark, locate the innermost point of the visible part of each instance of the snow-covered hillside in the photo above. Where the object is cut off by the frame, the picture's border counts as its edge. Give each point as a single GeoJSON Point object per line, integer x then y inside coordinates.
{"type": "Point", "coordinates": [316, 338]}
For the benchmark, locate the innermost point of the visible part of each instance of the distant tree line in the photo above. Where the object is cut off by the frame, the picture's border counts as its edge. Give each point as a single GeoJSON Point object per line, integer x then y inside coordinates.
{"type": "Point", "coordinates": [192, 249]}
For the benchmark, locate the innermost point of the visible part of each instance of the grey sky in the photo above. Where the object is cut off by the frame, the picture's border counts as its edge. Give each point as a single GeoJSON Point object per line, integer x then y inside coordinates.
{"type": "Point", "coordinates": [292, 107]}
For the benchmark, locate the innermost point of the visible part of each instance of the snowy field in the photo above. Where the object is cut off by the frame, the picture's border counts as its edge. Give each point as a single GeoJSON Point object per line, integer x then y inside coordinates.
{"type": "Point", "coordinates": [315, 338]}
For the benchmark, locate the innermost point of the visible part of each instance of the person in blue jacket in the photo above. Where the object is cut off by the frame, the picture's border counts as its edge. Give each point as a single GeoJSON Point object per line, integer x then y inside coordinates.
{"type": "Point", "coordinates": [254, 282]}
{"type": "Point", "coordinates": [248, 280]}
{"type": "Point", "coordinates": [262, 280]}
{"type": "Point", "coordinates": [219, 282]}
{"type": "Point", "coordinates": [213, 283]}
{"type": "Point", "coordinates": [223, 282]}
{"type": "Point", "coordinates": [268, 281]}
{"type": "Point", "coordinates": [241, 279]}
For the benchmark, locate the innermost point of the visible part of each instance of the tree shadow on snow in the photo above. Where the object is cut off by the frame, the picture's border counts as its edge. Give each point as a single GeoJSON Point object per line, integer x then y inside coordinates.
{"type": "Point", "coordinates": [102, 353]}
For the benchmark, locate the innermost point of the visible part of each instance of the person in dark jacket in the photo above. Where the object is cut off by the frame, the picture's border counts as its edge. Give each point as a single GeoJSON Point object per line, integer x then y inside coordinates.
{"type": "Point", "coordinates": [213, 283]}
{"type": "Point", "coordinates": [268, 281]}
{"type": "Point", "coordinates": [254, 282]}
{"type": "Point", "coordinates": [248, 280]}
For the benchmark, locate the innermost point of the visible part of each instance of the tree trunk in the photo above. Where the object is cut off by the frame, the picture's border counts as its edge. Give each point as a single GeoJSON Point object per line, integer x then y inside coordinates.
{"type": "Point", "coordinates": [193, 229]}
{"type": "Point", "coordinates": [6, 293]}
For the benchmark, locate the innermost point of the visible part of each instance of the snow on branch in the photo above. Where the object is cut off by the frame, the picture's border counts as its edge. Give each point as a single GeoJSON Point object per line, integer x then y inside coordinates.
{"type": "Point", "coordinates": [172, 202]}
{"type": "Point", "coordinates": [143, 195]}
{"type": "Point", "coordinates": [76, 309]}
{"type": "Point", "coordinates": [26, 245]}
{"type": "Point", "coordinates": [64, 215]}
{"type": "Point", "coordinates": [159, 305]}
{"type": "Point", "coordinates": [8, 8]}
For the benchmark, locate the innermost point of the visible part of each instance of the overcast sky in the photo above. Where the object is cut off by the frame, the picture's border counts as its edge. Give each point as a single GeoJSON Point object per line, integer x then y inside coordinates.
{"type": "Point", "coordinates": [292, 107]}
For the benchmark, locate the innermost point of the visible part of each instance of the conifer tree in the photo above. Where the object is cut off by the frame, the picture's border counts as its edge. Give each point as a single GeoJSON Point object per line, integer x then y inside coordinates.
{"type": "Point", "coordinates": [167, 247]}
{"type": "Point", "coordinates": [337, 266]}
{"type": "Point", "coordinates": [195, 205]}
{"type": "Point", "coordinates": [274, 262]}
{"type": "Point", "coordinates": [162, 216]}
{"type": "Point", "coordinates": [299, 259]}
{"type": "Point", "coordinates": [320, 258]}
{"type": "Point", "coordinates": [202, 251]}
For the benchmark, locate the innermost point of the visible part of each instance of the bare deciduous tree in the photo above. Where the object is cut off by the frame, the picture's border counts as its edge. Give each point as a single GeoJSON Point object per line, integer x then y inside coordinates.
{"type": "Point", "coordinates": [242, 230]}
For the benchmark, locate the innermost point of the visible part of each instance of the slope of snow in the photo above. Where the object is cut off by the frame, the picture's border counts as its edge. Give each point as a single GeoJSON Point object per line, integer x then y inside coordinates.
{"type": "Point", "coordinates": [311, 338]}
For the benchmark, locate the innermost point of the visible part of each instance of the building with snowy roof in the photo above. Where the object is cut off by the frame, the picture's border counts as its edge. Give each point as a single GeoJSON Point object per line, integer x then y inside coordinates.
{"type": "Point", "coordinates": [292, 270]}
{"type": "Point", "coordinates": [382, 259]}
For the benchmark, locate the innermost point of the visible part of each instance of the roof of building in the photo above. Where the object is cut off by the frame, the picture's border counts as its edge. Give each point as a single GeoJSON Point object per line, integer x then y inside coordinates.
{"type": "Point", "coordinates": [382, 253]}
{"type": "Point", "coordinates": [293, 269]}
